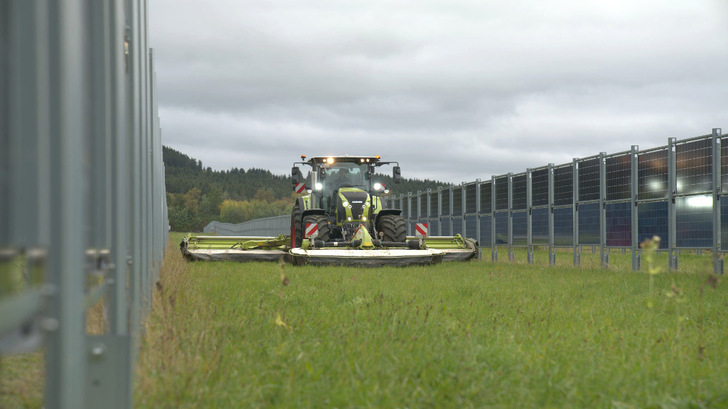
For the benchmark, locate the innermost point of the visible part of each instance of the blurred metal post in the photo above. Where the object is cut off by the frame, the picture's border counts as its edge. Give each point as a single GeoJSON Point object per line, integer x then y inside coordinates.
{"type": "Point", "coordinates": [511, 255]}
{"type": "Point", "coordinates": [66, 355]}
{"type": "Point", "coordinates": [464, 209]}
{"type": "Point", "coordinates": [439, 211]}
{"type": "Point", "coordinates": [717, 233]}
{"type": "Point", "coordinates": [634, 190]}
{"type": "Point", "coordinates": [408, 216]}
{"type": "Point", "coordinates": [671, 213]}
{"type": "Point", "coordinates": [494, 244]}
{"type": "Point", "coordinates": [575, 212]}
{"type": "Point", "coordinates": [552, 252]}
{"type": "Point", "coordinates": [603, 250]}
{"type": "Point", "coordinates": [529, 216]}
{"type": "Point", "coordinates": [477, 217]}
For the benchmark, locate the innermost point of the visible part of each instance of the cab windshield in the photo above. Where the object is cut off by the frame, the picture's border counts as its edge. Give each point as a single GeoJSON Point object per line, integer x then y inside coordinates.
{"type": "Point", "coordinates": [345, 174]}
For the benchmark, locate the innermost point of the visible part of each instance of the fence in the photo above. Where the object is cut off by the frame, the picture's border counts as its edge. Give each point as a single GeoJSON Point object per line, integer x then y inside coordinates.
{"type": "Point", "coordinates": [82, 204]}
{"type": "Point", "coordinates": [604, 201]}
{"type": "Point", "coordinates": [267, 226]}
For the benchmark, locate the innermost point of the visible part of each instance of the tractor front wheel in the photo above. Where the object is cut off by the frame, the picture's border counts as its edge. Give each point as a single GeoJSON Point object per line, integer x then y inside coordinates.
{"type": "Point", "coordinates": [296, 226]}
{"type": "Point", "coordinates": [324, 232]}
{"type": "Point", "coordinates": [392, 228]}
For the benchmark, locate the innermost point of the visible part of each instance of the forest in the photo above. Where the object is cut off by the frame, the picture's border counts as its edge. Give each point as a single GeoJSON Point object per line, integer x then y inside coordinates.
{"type": "Point", "coordinates": [197, 195]}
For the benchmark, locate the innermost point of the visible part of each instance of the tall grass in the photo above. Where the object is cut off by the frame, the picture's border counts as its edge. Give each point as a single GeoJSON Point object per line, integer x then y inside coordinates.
{"type": "Point", "coordinates": [478, 334]}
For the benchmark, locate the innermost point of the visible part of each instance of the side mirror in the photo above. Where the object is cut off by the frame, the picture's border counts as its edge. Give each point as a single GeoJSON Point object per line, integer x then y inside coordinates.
{"type": "Point", "coordinates": [296, 176]}
{"type": "Point", "coordinates": [397, 174]}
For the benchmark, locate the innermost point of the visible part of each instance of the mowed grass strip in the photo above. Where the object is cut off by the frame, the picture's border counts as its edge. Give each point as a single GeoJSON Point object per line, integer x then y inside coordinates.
{"type": "Point", "coordinates": [478, 334]}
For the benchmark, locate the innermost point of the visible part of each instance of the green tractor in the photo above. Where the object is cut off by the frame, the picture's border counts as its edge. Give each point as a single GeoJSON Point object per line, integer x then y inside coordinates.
{"type": "Point", "coordinates": [344, 204]}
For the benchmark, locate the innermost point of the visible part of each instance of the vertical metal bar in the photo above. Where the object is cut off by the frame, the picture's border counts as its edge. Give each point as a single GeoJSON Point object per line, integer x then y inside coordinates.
{"type": "Point", "coordinates": [477, 217]}
{"type": "Point", "coordinates": [409, 214]}
{"type": "Point", "coordinates": [603, 250]}
{"type": "Point", "coordinates": [439, 211]}
{"type": "Point", "coordinates": [511, 255]}
{"type": "Point", "coordinates": [428, 209]}
{"type": "Point", "coordinates": [419, 206]}
{"type": "Point", "coordinates": [5, 23]}
{"type": "Point", "coordinates": [451, 205]}
{"type": "Point", "coordinates": [65, 358]}
{"type": "Point", "coordinates": [24, 142]}
{"type": "Point", "coordinates": [529, 215]}
{"type": "Point", "coordinates": [717, 259]}
{"type": "Point", "coordinates": [463, 206]}
{"type": "Point", "coordinates": [493, 243]}
{"type": "Point", "coordinates": [552, 252]}
{"type": "Point", "coordinates": [671, 213]}
{"type": "Point", "coordinates": [134, 166]}
{"type": "Point", "coordinates": [118, 307]}
{"type": "Point", "coordinates": [634, 188]}
{"type": "Point", "coordinates": [575, 212]}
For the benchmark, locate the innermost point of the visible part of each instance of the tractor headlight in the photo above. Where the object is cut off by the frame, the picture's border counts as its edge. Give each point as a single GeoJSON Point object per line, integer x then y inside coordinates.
{"type": "Point", "coordinates": [319, 186]}
{"type": "Point", "coordinates": [364, 218]}
{"type": "Point", "coordinates": [345, 204]}
{"type": "Point", "coordinates": [377, 186]}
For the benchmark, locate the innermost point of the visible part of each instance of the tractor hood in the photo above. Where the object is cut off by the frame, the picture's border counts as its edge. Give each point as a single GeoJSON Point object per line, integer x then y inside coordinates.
{"type": "Point", "coordinates": [352, 205]}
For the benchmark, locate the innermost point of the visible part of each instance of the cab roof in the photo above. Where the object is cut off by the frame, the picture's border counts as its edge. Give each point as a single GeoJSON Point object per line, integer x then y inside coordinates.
{"type": "Point", "coordinates": [346, 158]}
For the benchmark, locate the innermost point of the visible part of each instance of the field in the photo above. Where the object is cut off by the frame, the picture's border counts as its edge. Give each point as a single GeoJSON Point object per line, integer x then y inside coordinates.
{"type": "Point", "coordinates": [478, 334]}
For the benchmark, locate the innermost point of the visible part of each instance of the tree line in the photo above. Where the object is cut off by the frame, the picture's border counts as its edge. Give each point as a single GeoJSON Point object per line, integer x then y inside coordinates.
{"type": "Point", "coordinates": [197, 195]}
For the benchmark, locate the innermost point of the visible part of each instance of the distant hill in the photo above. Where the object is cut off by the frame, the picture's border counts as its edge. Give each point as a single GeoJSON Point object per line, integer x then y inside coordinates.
{"type": "Point", "coordinates": [197, 195]}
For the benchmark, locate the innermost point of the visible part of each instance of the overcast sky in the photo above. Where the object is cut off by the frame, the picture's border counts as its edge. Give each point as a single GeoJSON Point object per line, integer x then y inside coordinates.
{"type": "Point", "coordinates": [454, 90]}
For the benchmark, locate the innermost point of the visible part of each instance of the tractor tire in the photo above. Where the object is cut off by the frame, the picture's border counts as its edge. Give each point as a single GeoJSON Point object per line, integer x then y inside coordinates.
{"type": "Point", "coordinates": [392, 228]}
{"type": "Point", "coordinates": [296, 226]}
{"type": "Point", "coordinates": [324, 232]}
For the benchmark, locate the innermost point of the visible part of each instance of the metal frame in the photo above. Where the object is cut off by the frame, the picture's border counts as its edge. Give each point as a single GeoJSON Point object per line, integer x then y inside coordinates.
{"type": "Point", "coordinates": [84, 194]}
{"type": "Point", "coordinates": [602, 201]}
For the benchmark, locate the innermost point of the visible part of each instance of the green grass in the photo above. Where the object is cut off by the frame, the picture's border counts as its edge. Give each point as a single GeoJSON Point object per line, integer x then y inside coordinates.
{"type": "Point", "coordinates": [477, 334]}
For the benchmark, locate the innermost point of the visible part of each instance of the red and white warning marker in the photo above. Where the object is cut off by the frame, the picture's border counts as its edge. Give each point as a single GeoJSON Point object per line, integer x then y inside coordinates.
{"type": "Point", "coordinates": [311, 231]}
{"type": "Point", "coordinates": [420, 229]}
{"type": "Point", "coordinates": [300, 187]}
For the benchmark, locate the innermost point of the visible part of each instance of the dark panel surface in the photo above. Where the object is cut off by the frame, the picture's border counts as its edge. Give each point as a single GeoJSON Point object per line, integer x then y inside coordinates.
{"type": "Point", "coordinates": [652, 175]}
{"type": "Point", "coordinates": [540, 187]}
{"type": "Point", "coordinates": [589, 224]}
{"type": "Point", "coordinates": [619, 182]}
{"type": "Point", "coordinates": [653, 222]}
{"type": "Point", "coordinates": [445, 201]}
{"type": "Point", "coordinates": [540, 226]}
{"type": "Point", "coordinates": [470, 199]}
{"type": "Point", "coordinates": [485, 236]}
{"type": "Point", "coordinates": [457, 201]}
{"type": "Point", "coordinates": [486, 204]}
{"type": "Point", "coordinates": [694, 164]}
{"type": "Point", "coordinates": [563, 185]}
{"type": "Point", "coordinates": [501, 193]}
{"type": "Point", "coordinates": [563, 227]}
{"type": "Point", "coordinates": [619, 224]}
{"type": "Point", "coordinates": [520, 229]}
{"type": "Point", "coordinates": [694, 216]}
{"type": "Point", "coordinates": [589, 180]}
{"type": "Point", "coordinates": [519, 192]}
{"type": "Point", "coordinates": [471, 227]}
{"type": "Point", "coordinates": [501, 228]}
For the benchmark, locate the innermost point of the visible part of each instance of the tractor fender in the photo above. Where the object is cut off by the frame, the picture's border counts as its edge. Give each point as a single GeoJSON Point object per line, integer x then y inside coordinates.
{"type": "Point", "coordinates": [384, 212]}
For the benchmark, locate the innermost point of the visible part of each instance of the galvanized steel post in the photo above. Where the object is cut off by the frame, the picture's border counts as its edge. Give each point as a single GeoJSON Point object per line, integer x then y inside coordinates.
{"type": "Point", "coordinates": [717, 233]}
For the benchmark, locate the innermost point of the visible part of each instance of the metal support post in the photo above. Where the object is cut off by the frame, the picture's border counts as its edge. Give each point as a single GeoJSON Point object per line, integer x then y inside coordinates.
{"type": "Point", "coordinates": [463, 203]}
{"type": "Point", "coordinates": [511, 255]}
{"type": "Point", "coordinates": [717, 246]}
{"type": "Point", "coordinates": [671, 213]}
{"type": "Point", "coordinates": [529, 216]}
{"type": "Point", "coordinates": [575, 212]}
{"type": "Point", "coordinates": [439, 211]}
{"type": "Point", "coordinates": [634, 183]}
{"type": "Point", "coordinates": [552, 250]}
{"type": "Point", "coordinates": [477, 216]}
{"type": "Point", "coordinates": [603, 250]}
{"type": "Point", "coordinates": [494, 244]}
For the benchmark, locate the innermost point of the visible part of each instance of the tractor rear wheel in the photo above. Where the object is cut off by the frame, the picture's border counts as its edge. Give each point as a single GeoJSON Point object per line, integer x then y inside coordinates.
{"type": "Point", "coordinates": [296, 226]}
{"type": "Point", "coordinates": [392, 228]}
{"type": "Point", "coordinates": [324, 232]}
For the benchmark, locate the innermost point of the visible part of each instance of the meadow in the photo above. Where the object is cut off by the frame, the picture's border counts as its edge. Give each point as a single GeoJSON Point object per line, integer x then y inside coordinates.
{"type": "Point", "coordinates": [470, 335]}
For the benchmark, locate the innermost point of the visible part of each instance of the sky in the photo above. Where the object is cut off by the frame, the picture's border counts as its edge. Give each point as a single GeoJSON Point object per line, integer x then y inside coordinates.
{"type": "Point", "coordinates": [454, 90]}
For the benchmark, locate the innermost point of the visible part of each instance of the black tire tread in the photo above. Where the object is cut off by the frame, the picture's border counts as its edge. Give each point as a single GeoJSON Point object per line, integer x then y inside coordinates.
{"type": "Point", "coordinates": [393, 228]}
